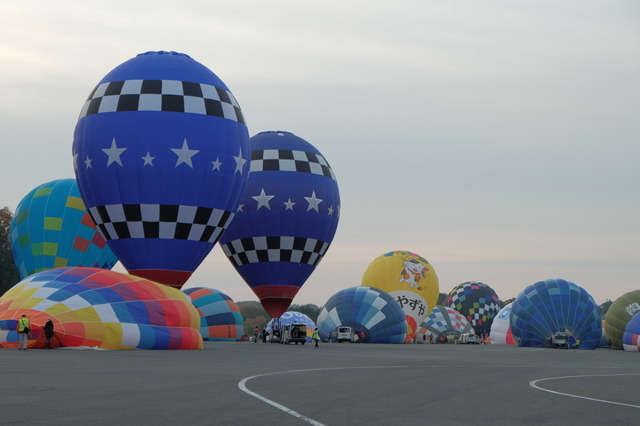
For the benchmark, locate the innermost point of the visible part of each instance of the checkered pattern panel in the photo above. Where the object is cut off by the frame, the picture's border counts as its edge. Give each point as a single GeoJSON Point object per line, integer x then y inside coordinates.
{"type": "Point", "coordinates": [275, 249]}
{"type": "Point", "coordinates": [290, 161]}
{"type": "Point", "coordinates": [162, 95]}
{"type": "Point", "coordinates": [161, 221]}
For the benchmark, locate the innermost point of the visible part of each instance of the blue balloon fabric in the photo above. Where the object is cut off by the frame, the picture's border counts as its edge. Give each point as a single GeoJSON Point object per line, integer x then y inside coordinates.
{"type": "Point", "coordinates": [291, 317]}
{"type": "Point", "coordinates": [286, 220]}
{"type": "Point", "coordinates": [52, 229]}
{"type": "Point", "coordinates": [552, 306]}
{"type": "Point", "coordinates": [364, 309]}
{"type": "Point", "coordinates": [631, 336]}
{"type": "Point", "coordinates": [161, 154]}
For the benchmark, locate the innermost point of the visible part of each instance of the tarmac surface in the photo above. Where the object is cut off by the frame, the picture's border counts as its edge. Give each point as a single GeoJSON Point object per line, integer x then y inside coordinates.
{"type": "Point", "coordinates": [337, 384]}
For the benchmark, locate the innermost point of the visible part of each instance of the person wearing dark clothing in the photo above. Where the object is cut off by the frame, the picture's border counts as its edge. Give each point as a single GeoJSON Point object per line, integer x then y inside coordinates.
{"type": "Point", "coordinates": [48, 333]}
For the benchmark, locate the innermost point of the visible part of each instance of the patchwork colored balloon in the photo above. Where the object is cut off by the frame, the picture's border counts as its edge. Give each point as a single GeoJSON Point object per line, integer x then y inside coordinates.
{"type": "Point", "coordinates": [161, 154]}
{"type": "Point", "coordinates": [477, 302]}
{"type": "Point", "coordinates": [97, 308]}
{"type": "Point", "coordinates": [220, 317]}
{"type": "Point", "coordinates": [410, 279]}
{"type": "Point", "coordinates": [291, 317]}
{"type": "Point", "coordinates": [555, 306]}
{"type": "Point", "coordinates": [618, 316]}
{"type": "Point", "coordinates": [365, 309]}
{"type": "Point", "coordinates": [501, 333]}
{"type": "Point", "coordinates": [286, 220]}
{"type": "Point", "coordinates": [443, 321]}
{"type": "Point", "coordinates": [631, 336]}
{"type": "Point", "coordinates": [52, 228]}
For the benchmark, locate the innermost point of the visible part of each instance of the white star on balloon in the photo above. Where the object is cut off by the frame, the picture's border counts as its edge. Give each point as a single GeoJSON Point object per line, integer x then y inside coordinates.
{"type": "Point", "coordinates": [148, 159]}
{"type": "Point", "coordinates": [87, 162]}
{"type": "Point", "coordinates": [263, 200]}
{"type": "Point", "coordinates": [184, 154]}
{"type": "Point", "coordinates": [330, 211]}
{"type": "Point", "coordinates": [216, 164]}
{"type": "Point", "coordinates": [240, 208]}
{"type": "Point", "coordinates": [114, 153]}
{"type": "Point", "coordinates": [313, 202]}
{"type": "Point", "coordinates": [288, 205]}
{"type": "Point", "coordinates": [239, 162]}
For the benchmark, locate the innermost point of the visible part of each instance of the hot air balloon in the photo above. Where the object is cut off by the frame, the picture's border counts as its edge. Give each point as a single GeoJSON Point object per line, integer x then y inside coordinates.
{"type": "Point", "coordinates": [286, 220]}
{"type": "Point", "coordinates": [410, 279]}
{"type": "Point", "coordinates": [291, 317]}
{"type": "Point", "coordinates": [555, 306]}
{"type": "Point", "coordinates": [98, 308]}
{"type": "Point", "coordinates": [619, 314]}
{"type": "Point", "coordinates": [501, 328]}
{"type": "Point", "coordinates": [443, 322]}
{"type": "Point", "coordinates": [631, 336]}
{"type": "Point", "coordinates": [477, 302]}
{"type": "Point", "coordinates": [51, 229]}
{"type": "Point", "coordinates": [161, 156]}
{"type": "Point", "coordinates": [365, 309]}
{"type": "Point", "coordinates": [220, 317]}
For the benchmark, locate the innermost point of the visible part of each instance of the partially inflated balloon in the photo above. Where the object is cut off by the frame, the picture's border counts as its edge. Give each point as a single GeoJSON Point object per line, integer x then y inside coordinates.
{"type": "Point", "coordinates": [555, 306]}
{"type": "Point", "coordinates": [443, 321]}
{"type": "Point", "coordinates": [631, 336]}
{"type": "Point", "coordinates": [52, 229]}
{"type": "Point", "coordinates": [410, 279]}
{"type": "Point", "coordinates": [286, 221]}
{"type": "Point", "coordinates": [501, 328]}
{"type": "Point", "coordinates": [477, 302]}
{"type": "Point", "coordinates": [291, 317]}
{"type": "Point", "coordinates": [220, 317]}
{"type": "Point", "coordinates": [619, 314]}
{"type": "Point", "coordinates": [366, 310]}
{"type": "Point", "coordinates": [161, 156]}
{"type": "Point", "coordinates": [93, 307]}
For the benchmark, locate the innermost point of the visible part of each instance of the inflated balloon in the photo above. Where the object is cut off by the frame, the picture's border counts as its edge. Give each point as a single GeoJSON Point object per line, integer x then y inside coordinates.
{"type": "Point", "coordinates": [443, 321]}
{"type": "Point", "coordinates": [555, 306]}
{"type": "Point", "coordinates": [365, 309]}
{"type": "Point", "coordinates": [97, 308]}
{"type": "Point", "coordinates": [161, 156]}
{"type": "Point", "coordinates": [220, 317]}
{"type": "Point", "coordinates": [286, 221]}
{"type": "Point", "coordinates": [52, 229]}
{"type": "Point", "coordinates": [619, 314]}
{"type": "Point", "coordinates": [501, 328]}
{"type": "Point", "coordinates": [477, 302]}
{"type": "Point", "coordinates": [631, 336]}
{"type": "Point", "coordinates": [410, 279]}
{"type": "Point", "coordinates": [291, 317]}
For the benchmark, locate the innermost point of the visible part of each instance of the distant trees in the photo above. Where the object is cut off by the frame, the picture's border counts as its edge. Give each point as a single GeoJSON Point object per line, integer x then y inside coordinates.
{"type": "Point", "coordinates": [9, 275]}
{"type": "Point", "coordinates": [604, 308]}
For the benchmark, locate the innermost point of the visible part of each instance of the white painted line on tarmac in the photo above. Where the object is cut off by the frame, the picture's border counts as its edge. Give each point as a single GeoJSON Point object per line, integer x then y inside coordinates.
{"type": "Point", "coordinates": [534, 385]}
{"type": "Point", "coordinates": [243, 387]}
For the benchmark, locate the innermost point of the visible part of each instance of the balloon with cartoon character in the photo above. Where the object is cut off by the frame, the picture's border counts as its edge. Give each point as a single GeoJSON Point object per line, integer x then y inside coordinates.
{"type": "Point", "coordinates": [410, 279]}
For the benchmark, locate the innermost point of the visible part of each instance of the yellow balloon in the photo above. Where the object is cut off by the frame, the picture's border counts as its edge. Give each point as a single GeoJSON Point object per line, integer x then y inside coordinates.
{"type": "Point", "coordinates": [410, 279]}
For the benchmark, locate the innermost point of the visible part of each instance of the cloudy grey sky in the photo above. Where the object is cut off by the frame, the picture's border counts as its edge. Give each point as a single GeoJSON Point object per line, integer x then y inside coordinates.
{"type": "Point", "coordinates": [497, 139]}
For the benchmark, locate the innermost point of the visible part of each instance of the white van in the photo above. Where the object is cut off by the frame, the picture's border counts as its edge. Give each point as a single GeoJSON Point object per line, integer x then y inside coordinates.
{"type": "Point", "coordinates": [469, 338]}
{"type": "Point", "coordinates": [344, 334]}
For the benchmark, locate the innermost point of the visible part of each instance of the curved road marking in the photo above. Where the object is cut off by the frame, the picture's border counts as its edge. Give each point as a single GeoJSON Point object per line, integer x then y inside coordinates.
{"type": "Point", "coordinates": [243, 388]}
{"type": "Point", "coordinates": [534, 385]}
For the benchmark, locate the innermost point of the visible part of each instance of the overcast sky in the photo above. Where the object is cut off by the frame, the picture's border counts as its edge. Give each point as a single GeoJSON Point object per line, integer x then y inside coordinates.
{"type": "Point", "coordinates": [497, 139]}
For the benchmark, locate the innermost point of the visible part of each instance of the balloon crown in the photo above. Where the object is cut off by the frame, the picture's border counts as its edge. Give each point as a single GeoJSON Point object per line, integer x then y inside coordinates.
{"type": "Point", "coordinates": [279, 132]}
{"type": "Point", "coordinates": [164, 52]}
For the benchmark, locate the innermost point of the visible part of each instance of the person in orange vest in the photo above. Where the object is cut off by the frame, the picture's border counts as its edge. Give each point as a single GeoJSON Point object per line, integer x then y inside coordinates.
{"type": "Point", "coordinates": [23, 332]}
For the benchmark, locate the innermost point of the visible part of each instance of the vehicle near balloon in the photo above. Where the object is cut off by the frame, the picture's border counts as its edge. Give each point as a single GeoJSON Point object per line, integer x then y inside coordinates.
{"type": "Point", "coordinates": [620, 313]}
{"type": "Point", "coordinates": [52, 228]}
{"type": "Point", "coordinates": [410, 279]}
{"type": "Point", "coordinates": [477, 302]}
{"type": "Point", "coordinates": [559, 340]}
{"type": "Point", "coordinates": [286, 220]}
{"type": "Point", "coordinates": [555, 306]}
{"type": "Point", "coordinates": [344, 334]}
{"type": "Point", "coordinates": [290, 317]}
{"type": "Point", "coordinates": [294, 333]}
{"type": "Point", "coordinates": [161, 155]}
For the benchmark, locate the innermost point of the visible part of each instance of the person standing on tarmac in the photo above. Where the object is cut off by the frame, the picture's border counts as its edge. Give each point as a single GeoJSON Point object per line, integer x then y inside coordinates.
{"type": "Point", "coordinates": [48, 333]}
{"type": "Point", "coordinates": [315, 336]}
{"type": "Point", "coordinates": [23, 332]}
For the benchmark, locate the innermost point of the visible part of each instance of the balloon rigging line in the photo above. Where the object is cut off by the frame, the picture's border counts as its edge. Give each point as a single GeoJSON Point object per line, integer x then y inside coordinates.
{"type": "Point", "coordinates": [243, 387]}
{"type": "Point", "coordinates": [534, 385]}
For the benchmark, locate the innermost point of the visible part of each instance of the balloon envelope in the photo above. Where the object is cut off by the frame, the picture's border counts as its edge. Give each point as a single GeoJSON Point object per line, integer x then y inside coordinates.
{"type": "Point", "coordinates": [410, 279]}
{"type": "Point", "coordinates": [286, 221]}
{"type": "Point", "coordinates": [443, 321]}
{"type": "Point", "coordinates": [477, 302]}
{"type": "Point", "coordinates": [220, 317]}
{"type": "Point", "coordinates": [364, 309]}
{"type": "Point", "coordinates": [161, 157]}
{"type": "Point", "coordinates": [291, 317]}
{"type": "Point", "coordinates": [619, 314]}
{"type": "Point", "coordinates": [552, 306]}
{"type": "Point", "coordinates": [52, 229]}
{"type": "Point", "coordinates": [631, 336]}
{"type": "Point", "coordinates": [501, 327]}
{"type": "Point", "coordinates": [97, 308]}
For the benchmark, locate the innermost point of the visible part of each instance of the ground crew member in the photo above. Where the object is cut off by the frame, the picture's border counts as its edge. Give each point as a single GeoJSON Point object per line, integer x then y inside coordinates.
{"type": "Point", "coordinates": [23, 332]}
{"type": "Point", "coordinates": [315, 336]}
